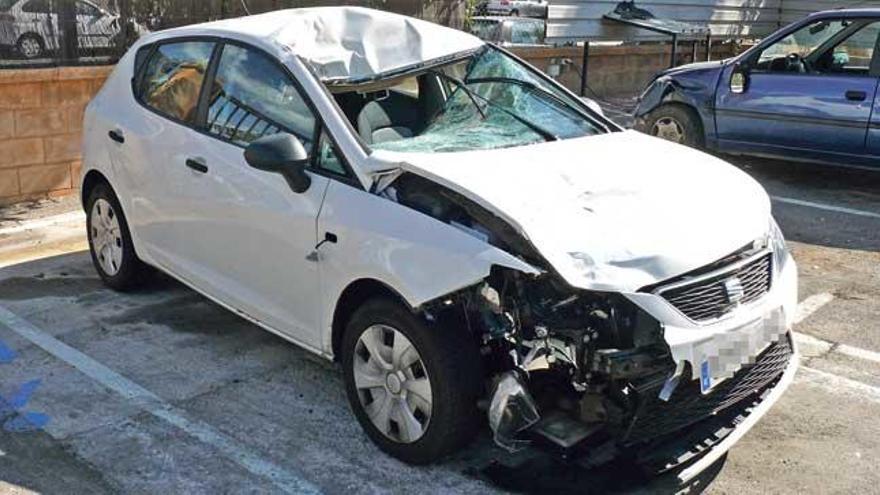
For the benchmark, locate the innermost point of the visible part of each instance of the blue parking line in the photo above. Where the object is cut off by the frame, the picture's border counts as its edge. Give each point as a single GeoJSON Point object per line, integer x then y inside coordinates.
{"type": "Point", "coordinates": [12, 414]}
{"type": "Point", "coordinates": [6, 354]}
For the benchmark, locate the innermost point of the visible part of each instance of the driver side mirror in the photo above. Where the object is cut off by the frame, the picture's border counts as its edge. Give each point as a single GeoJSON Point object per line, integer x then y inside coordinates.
{"type": "Point", "coordinates": [739, 79]}
{"type": "Point", "coordinates": [282, 154]}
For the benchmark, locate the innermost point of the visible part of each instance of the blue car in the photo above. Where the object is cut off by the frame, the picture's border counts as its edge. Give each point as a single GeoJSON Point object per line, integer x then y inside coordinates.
{"type": "Point", "coordinates": [808, 92]}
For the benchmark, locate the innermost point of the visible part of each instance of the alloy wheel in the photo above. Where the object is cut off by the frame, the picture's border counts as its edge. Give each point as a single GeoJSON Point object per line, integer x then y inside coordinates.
{"type": "Point", "coordinates": [392, 384]}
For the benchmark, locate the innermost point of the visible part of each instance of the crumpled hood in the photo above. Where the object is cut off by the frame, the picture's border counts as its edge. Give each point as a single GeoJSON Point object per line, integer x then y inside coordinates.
{"type": "Point", "coordinates": [611, 212]}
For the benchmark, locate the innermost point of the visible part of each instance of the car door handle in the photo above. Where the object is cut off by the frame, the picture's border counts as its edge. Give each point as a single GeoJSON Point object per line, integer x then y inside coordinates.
{"type": "Point", "coordinates": [117, 136]}
{"type": "Point", "coordinates": [197, 165]}
{"type": "Point", "coordinates": [856, 95]}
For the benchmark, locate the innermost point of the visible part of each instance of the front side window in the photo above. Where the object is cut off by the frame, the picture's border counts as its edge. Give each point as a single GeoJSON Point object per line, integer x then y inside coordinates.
{"type": "Point", "coordinates": [253, 97]}
{"type": "Point", "coordinates": [173, 78]}
{"type": "Point", "coordinates": [823, 47]}
{"type": "Point", "coordinates": [328, 159]}
{"type": "Point", "coordinates": [854, 54]}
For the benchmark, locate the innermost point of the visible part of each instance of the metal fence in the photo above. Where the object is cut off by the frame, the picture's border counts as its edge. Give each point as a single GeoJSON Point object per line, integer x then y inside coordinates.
{"type": "Point", "coordinates": [579, 20]}
{"type": "Point", "coordinates": [41, 33]}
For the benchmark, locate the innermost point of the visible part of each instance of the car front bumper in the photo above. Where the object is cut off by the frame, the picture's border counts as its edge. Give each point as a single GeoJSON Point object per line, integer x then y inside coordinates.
{"type": "Point", "coordinates": [764, 324]}
{"type": "Point", "coordinates": [749, 419]}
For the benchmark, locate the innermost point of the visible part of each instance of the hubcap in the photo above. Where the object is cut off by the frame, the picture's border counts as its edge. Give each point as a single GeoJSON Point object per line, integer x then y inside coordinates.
{"type": "Point", "coordinates": [30, 47]}
{"type": "Point", "coordinates": [392, 384]}
{"type": "Point", "coordinates": [106, 237]}
{"type": "Point", "coordinates": [669, 129]}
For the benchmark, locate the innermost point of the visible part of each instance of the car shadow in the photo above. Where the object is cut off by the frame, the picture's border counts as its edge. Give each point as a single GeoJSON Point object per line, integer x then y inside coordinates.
{"type": "Point", "coordinates": [540, 473]}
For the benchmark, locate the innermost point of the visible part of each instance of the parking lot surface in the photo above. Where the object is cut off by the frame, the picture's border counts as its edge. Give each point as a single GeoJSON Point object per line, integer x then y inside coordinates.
{"type": "Point", "coordinates": [163, 391]}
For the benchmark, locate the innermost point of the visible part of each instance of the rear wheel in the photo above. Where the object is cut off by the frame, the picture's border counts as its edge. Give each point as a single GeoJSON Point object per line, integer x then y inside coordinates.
{"type": "Point", "coordinates": [413, 387]}
{"type": "Point", "coordinates": [110, 241]}
{"type": "Point", "coordinates": [676, 123]}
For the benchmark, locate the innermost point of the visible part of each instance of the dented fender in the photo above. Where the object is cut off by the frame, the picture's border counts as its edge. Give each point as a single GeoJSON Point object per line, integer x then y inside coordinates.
{"type": "Point", "coordinates": [417, 256]}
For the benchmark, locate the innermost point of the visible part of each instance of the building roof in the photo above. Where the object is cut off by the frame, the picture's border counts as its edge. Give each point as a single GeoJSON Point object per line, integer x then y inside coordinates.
{"type": "Point", "coordinates": [349, 43]}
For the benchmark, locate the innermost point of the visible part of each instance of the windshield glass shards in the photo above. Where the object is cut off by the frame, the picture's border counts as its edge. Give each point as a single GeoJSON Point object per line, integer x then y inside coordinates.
{"type": "Point", "coordinates": [488, 100]}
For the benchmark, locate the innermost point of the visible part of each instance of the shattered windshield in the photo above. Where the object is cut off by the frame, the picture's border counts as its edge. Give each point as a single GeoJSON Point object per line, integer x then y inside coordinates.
{"type": "Point", "coordinates": [492, 101]}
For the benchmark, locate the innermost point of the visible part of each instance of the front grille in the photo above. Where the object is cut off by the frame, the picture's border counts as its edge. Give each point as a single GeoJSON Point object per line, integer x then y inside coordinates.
{"type": "Point", "coordinates": [688, 405]}
{"type": "Point", "coordinates": [708, 298]}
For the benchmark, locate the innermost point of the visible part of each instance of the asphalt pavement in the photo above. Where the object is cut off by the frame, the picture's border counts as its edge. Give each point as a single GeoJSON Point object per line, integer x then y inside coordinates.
{"type": "Point", "coordinates": [162, 391]}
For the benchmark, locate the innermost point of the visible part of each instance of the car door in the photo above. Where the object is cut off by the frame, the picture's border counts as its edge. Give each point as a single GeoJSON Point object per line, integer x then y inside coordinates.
{"type": "Point", "coordinates": [807, 94]}
{"type": "Point", "coordinates": [151, 140]}
{"type": "Point", "coordinates": [243, 235]}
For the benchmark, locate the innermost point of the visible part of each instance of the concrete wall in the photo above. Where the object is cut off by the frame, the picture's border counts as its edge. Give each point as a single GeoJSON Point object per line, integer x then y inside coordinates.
{"type": "Point", "coordinates": [40, 129]}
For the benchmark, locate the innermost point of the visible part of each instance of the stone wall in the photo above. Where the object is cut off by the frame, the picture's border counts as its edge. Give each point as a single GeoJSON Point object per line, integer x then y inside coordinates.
{"type": "Point", "coordinates": [40, 129]}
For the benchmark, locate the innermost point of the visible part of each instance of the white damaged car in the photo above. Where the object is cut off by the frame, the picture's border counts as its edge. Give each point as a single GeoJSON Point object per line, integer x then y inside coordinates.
{"type": "Point", "coordinates": [462, 234]}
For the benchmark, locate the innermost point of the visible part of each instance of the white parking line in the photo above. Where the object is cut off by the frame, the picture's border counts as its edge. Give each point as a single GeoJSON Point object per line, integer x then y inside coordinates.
{"type": "Point", "coordinates": [810, 305]}
{"type": "Point", "coordinates": [858, 353]}
{"type": "Point", "coordinates": [826, 207]}
{"type": "Point", "coordinates": [837, 384]}
{"type": "Point", "coordinates": [285, 480]}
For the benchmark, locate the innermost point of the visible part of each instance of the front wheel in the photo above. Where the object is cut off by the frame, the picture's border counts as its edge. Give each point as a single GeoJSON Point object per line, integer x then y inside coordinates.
{"type": "Point", "coordinates": [676, 123]}
{"type": "Point", "coordinates": [413, 387]}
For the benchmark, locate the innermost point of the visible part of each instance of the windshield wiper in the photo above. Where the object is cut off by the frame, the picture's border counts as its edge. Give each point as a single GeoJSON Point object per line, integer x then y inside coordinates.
{"type": "Point", "coordinates": [544, 133]}
{"type": "Point", "coordinates": [460, 84]}
{"type": "Point", "coordinates": [526, 84]}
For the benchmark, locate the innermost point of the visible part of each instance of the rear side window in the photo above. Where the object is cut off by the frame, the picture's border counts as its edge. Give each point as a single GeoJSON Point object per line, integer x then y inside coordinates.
{"type": "Point", "coordinates": [253, 97]}
{"type": "Point", "coordinates": [173, 79]}
{"type": "Point", "coordinates": [36, 7]}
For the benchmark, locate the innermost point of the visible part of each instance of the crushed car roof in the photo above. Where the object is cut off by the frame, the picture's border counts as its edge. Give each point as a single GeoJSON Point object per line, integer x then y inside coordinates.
{"type": "Point", "coordinates": [349, 44]}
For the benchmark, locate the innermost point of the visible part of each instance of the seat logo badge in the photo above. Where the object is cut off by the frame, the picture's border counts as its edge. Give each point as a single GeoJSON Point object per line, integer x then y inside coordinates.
{"type": "Point", "coordinates": [735, 290]}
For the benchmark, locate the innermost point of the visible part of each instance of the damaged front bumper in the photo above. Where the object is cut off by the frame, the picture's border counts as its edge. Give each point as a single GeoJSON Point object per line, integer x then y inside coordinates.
{"type": "Point", "coordinates": [745, 421]}
{"type": "Point", "coordinates": [722, 378]}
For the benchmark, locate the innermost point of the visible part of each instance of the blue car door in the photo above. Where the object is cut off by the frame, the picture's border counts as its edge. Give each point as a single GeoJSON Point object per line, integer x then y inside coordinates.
{"type": "Point", "coordinates": [808, 94]}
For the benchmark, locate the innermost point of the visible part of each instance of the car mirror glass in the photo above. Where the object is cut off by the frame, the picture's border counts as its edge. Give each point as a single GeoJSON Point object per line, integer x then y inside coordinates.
{"type": "Point", "coordinates": [739, 80]}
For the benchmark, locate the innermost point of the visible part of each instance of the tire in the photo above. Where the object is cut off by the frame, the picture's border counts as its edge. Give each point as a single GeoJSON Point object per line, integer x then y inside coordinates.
{"type": "Point", "coordinates": [447, 358]}
{"type": "Point", "coordinates": [514, 13]}
{"type": "Point", "coordinates": [110, 242]}
{"type": "Point", "coordinates": [677, 123]}
{"type": "Point", "coordinates": [30, 46]}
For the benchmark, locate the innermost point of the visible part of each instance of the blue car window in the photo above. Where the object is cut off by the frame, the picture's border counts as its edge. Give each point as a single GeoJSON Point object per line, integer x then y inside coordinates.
{"type": "Point", "coordinates": [783, 56]}
{"type": "Point", "coordinates": [854, 54]}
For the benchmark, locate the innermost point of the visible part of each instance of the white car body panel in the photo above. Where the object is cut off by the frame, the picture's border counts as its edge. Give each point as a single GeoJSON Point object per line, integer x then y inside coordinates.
{"type": "Point", "coordinates": [347, 43]}
{"type": "Point", "coordinates": [614, 212]}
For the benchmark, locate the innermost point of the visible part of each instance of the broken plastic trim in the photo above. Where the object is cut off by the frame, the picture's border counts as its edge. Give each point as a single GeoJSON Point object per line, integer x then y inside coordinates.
{"type": "Point", "coordinates": [512, 411]}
